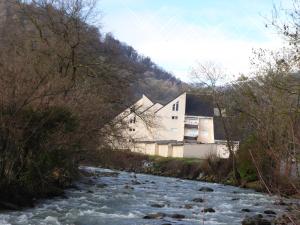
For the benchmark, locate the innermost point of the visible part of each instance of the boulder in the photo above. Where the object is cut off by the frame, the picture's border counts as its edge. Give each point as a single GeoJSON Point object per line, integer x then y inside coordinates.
{"type": "Point", "coordinates": [280, 202]}
{"type": "Point", "coordinates": [156, 205]}
{"type": "Point", "coordinates": [206, 189]}
{"type": "Point", "coordinates": [155, 216]}
{"type": "Point", "coordinates": [128, 187]}
{"type": "Point", "coordinates": [269, 212]}
{"type": "Point", "coordinates": [188, 206]}
{"type": "Point", "coordinates": [177, 216]}
{"type": "Point", "coordinates": [135, 182]}
{"type": "Point", "coordinates": [198, 200]}
{"type": "Point", "coordinates": [256, 220]}
{"type": "Point", "coordinates": [8, 206]}
{"type": "Point", "coordinates": [208, 210]}
{"type": "Point", "coordinates": [246, 210]}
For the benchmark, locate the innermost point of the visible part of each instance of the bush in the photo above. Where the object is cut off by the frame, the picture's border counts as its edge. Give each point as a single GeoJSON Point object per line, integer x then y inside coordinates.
{"type": "Point", "coordinates": [37, 151]}
{"type": "Point", "coordinates": [245, 165]}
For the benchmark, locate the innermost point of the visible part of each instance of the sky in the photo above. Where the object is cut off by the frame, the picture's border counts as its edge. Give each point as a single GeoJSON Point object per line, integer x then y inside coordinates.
{"type": "Point", "coordinates": [178, 34]}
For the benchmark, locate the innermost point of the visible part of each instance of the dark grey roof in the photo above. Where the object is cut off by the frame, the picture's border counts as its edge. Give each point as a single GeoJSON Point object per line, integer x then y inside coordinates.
{"type": "Point", "coordinates": [219, 132]}
{"type": "Point", "coordinates": [199, 105]}
{"type": "Point", "coordinates": [219, 129]}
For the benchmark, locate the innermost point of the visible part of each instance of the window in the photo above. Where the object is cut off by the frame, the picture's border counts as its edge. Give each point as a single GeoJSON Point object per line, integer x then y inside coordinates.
{"type": "Point", "coordinates": [175, 106]}
{"type": "Point", "coordinates": [132, 120]}
{"type": "Point", "coordinates": [131, 129]}
{"type": "Point", "coordinates": [174, 117]}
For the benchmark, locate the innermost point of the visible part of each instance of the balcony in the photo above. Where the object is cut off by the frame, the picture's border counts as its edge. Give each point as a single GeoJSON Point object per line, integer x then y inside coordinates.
{"type": "Point", "coordinates": [192, 126]}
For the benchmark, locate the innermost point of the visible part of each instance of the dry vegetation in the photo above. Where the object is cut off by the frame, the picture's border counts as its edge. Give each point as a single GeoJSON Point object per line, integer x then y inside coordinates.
{"type": "Point", "coordinates": [56, 94]}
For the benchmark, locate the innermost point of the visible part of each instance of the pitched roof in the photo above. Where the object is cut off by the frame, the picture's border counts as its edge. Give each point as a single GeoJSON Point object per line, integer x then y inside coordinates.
{"type": "Point", "coordinates": [219, 131]}
{"type": "Point", "coordinates": [199, 105]}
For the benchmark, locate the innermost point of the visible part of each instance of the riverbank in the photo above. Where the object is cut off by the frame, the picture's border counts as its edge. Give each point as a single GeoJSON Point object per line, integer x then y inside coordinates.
{"type": "Point", "coordinates": [17, 198]}
{"type": "Point", "coordinates": [211, 170]}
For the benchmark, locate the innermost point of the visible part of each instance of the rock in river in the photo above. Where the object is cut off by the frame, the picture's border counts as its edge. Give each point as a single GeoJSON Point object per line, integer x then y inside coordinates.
{"type": "Point", "coordinates": [198, 200]}
{"type": "Point", "coordinates": [208, 210]}
{"type": "Point", "coordinates": [155, 216]}
{"type": "Point", "coordinates": [246, 210]}
{"type": "Point", "coordinates": [156, 205]}
{"type": "Point", "coordinates": [206, 189]}
{"type": "Point", "coordinates": [188, 206]}
{"type": "Point", "coordinates": [269, 212]}
{"type": "Point", "coordinates": [177, 216]}
{"type": "Point", "coordinates": [256, 220]}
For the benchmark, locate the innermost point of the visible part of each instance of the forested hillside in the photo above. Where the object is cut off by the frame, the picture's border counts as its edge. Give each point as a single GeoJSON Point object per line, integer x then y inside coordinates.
{"type": "Point", "coordinates": [61, 82]}
{"type": "Point", "coordinates": [148, 77]}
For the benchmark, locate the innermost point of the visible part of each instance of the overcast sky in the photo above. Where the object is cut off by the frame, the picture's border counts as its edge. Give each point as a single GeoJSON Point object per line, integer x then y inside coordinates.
{"type": "Point", "coordinates": [176, 34]}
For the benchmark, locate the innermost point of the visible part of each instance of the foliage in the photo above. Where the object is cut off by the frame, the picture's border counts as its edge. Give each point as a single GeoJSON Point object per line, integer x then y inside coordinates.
{"type": "Point", "coordinates": [245, 166]}
{"type": "Point", "coordinates": [33, 159]}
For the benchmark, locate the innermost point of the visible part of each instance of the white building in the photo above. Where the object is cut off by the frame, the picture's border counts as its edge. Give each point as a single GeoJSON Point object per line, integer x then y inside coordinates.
{"type": "Point", "coordinates": [184, 127]}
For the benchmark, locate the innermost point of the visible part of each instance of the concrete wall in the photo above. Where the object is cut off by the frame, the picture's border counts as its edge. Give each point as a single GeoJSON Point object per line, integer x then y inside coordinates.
{"type": "Point", "coordinates": [201, 151]}
{"type": "Point", "coordinates": [151, 149]}
{"type": "Point", "coordinates": [139, 148]}
{"type": "Point", "coordinates": [165, 150]}
{"type": "Point", "coordinates": [186, 150]}
{"type": "Point", "coordinates": [177, 151]}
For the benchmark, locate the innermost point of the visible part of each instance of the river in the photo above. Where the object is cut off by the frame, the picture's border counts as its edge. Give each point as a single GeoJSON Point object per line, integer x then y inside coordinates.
{"type": "Point", "coordinates": [121, 198]}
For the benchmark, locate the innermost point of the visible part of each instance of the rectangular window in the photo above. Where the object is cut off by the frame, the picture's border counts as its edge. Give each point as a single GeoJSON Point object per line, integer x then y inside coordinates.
{"type": "Point", "coordinates": [132, 120]}
{"type": "Point", "coordinates": [175, 106]}
{"type": "Point", "coordinates": [174, 117]}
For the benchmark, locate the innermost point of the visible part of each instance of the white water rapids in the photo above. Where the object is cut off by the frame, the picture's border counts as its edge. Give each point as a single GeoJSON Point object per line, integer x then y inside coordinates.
{"type": "Point", "coordinates": [125, 198]}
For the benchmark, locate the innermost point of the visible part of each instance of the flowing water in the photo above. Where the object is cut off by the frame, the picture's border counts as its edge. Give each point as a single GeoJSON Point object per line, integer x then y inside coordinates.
{"type": "Point", "coordinates": [121, 198]}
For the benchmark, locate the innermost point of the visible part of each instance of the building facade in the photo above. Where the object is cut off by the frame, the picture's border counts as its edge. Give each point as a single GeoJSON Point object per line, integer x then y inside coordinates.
{"type": "Point", "coordinates": [184, 127]}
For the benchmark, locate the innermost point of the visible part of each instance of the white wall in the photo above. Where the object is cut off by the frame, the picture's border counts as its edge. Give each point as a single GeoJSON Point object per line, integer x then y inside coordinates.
{"type": "Point", "coordinates": [139, 148]}
{"type": "Point", "coordinates": [140, 130]}
{"type": "Point", "coordinates": [186, 150]}
{"type": "Point", "coordinates": [164, 150]}
{"type": "Point", "coordinates": [151, 149]}
{"type": "Point", "coordinates": [201, 151]}
{"type": "Point", "coordinates": [177, 151]}
{"type": "Point", "coordinates": [206, 130]}
{"type": "Point", "coordinates": [171, 129]}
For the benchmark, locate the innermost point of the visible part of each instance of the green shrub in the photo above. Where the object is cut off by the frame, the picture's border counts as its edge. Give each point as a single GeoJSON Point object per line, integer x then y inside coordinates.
{"type": "Point", "coordinates": [245, 165]}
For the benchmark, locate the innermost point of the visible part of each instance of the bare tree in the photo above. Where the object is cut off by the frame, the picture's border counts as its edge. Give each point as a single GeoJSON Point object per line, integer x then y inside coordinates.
{"type": "Point", "coordinates": [210, 76]}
